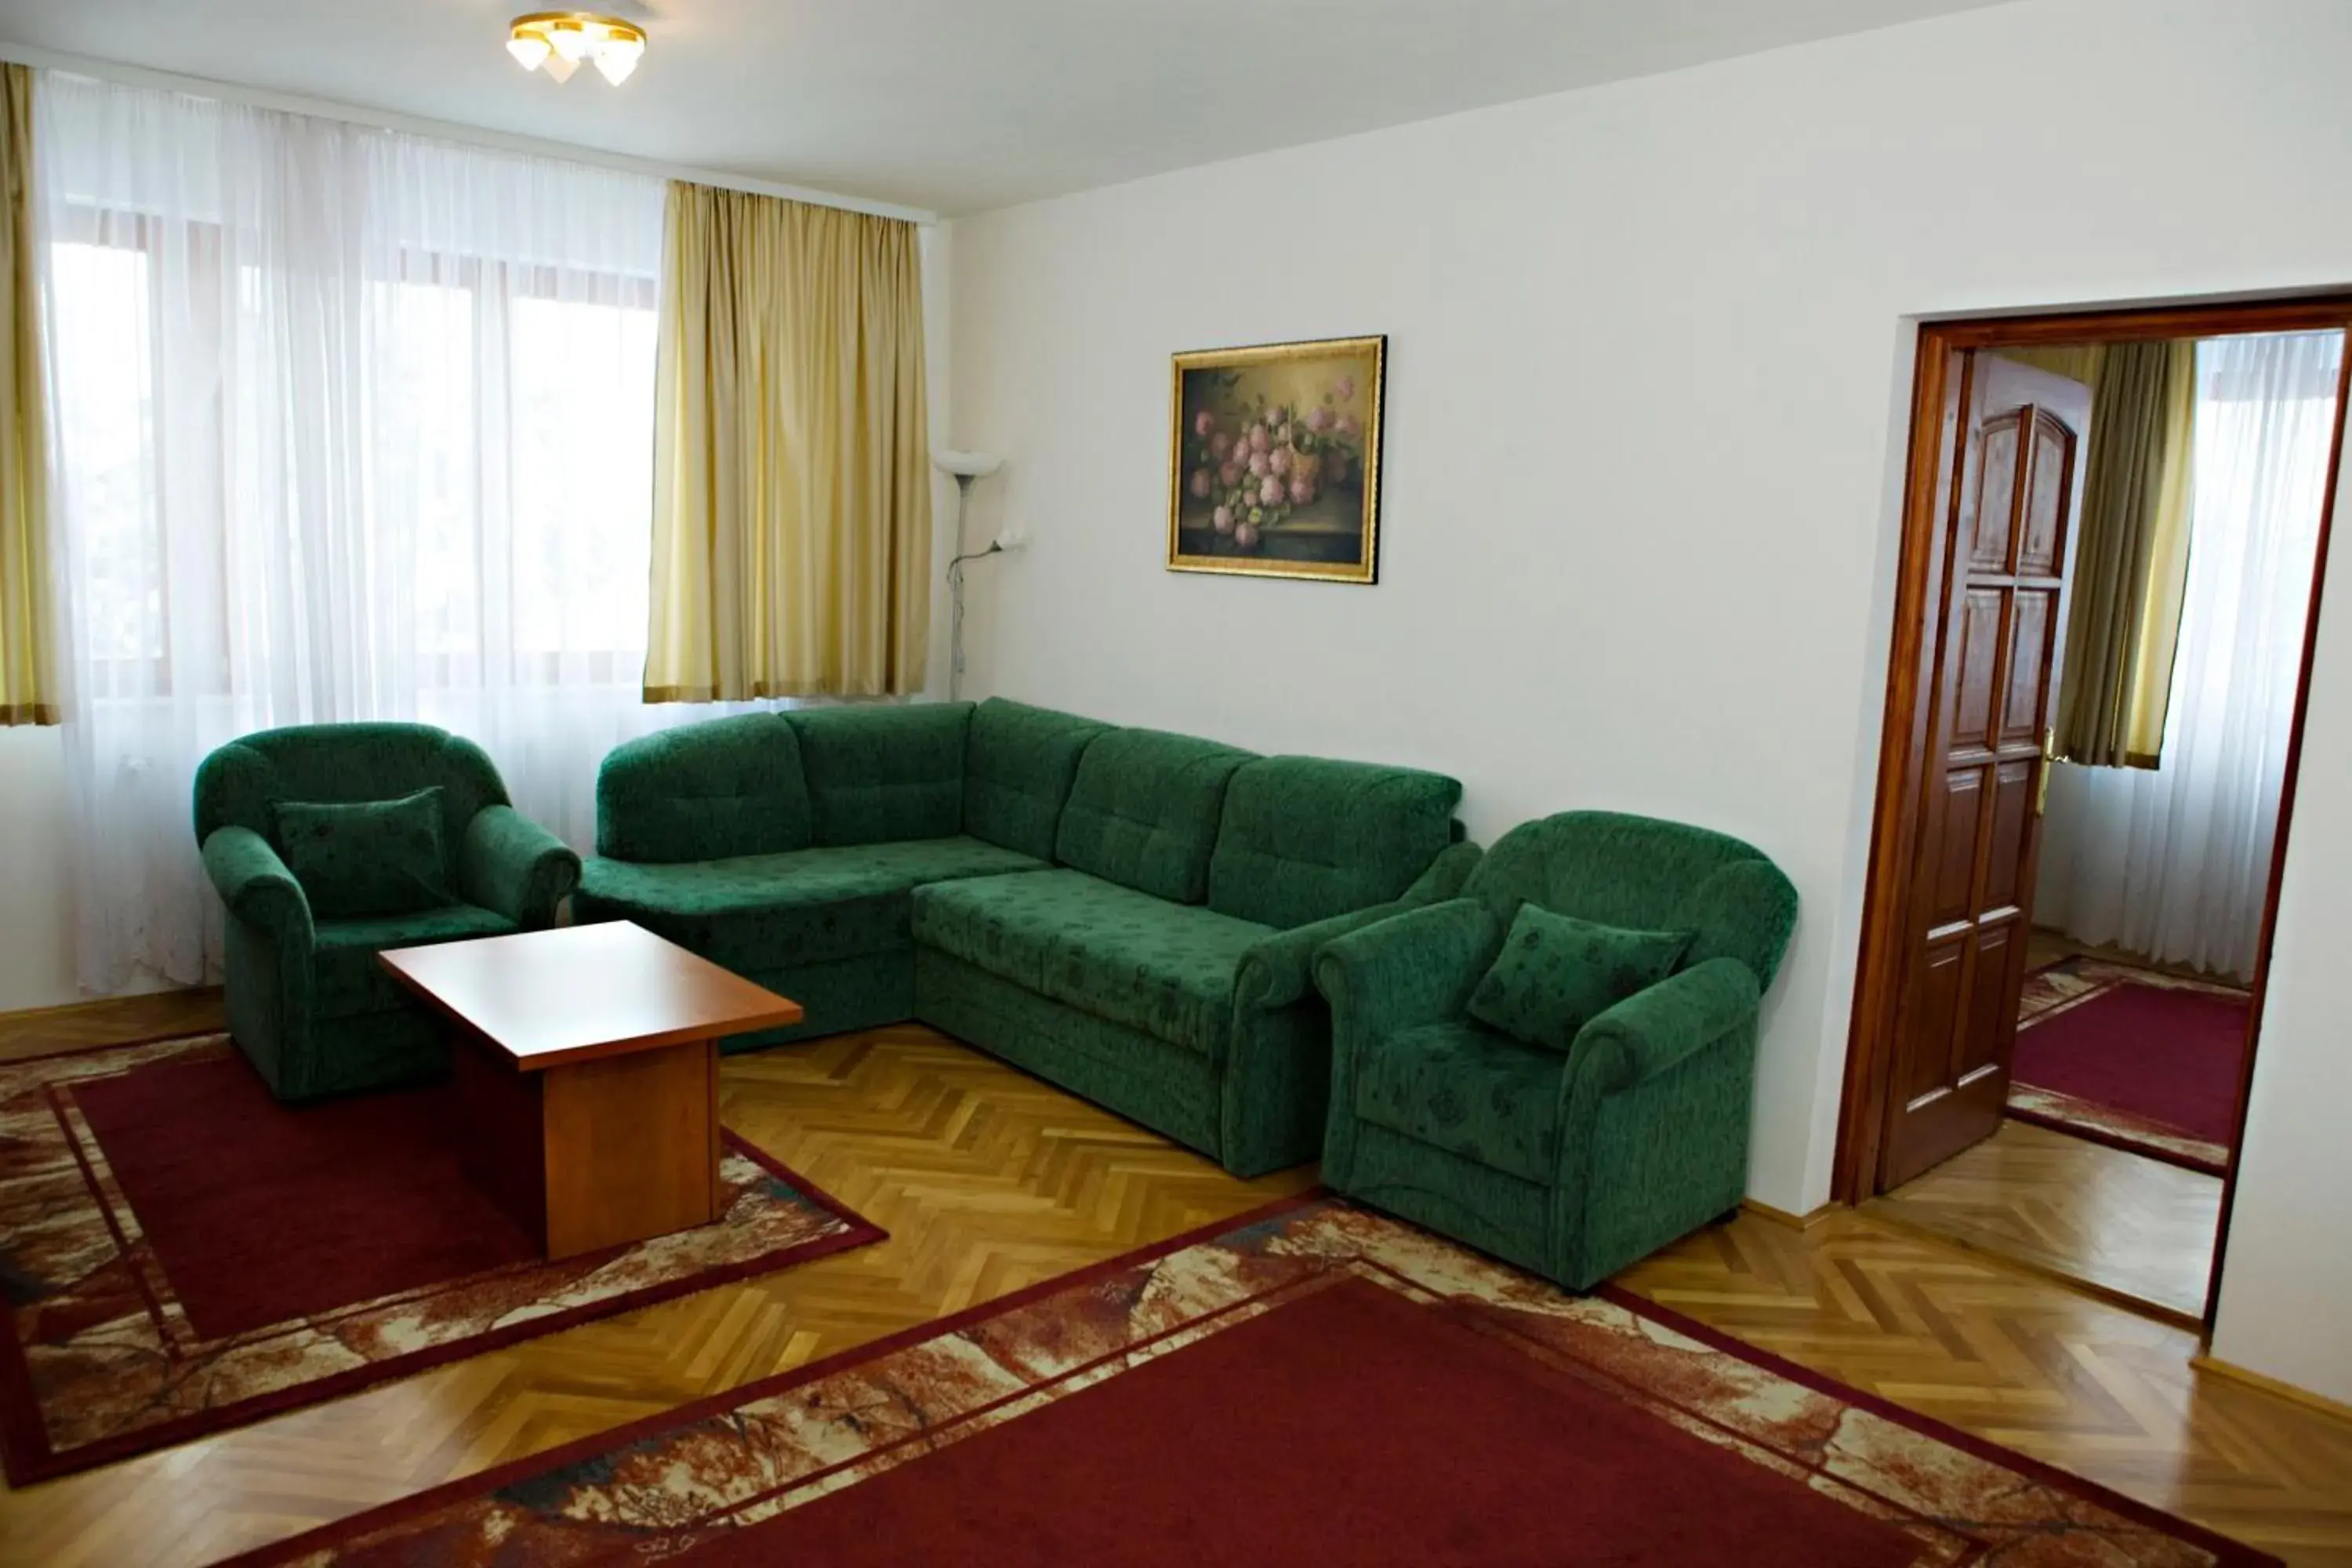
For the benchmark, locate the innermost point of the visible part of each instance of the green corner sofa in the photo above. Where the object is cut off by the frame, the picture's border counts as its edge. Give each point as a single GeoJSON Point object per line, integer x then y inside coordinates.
{"type": "Point", "coordinates": [1573, 1165]}
{"type": "Point", "coordinates": [1128, 913]}
{"type": "Point", "coordinates": [308, 1004]}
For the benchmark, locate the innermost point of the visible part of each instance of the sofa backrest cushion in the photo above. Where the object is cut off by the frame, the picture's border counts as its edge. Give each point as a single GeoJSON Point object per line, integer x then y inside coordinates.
{"type": "Point", "coordinates": [1305, 837]}
{"type": "Point", "coordinates": [1647, 875]}
{"type": "Point", "coordinates": [1143, 811]}
{"type": "Point", "coordinates": [879, 773]}
{"type": "Point", "coordinates": [1018, 765]}
{"type": "Point", "coordinates": [704, 792]}
{"type": "Point", "coordinates": [241, 784]}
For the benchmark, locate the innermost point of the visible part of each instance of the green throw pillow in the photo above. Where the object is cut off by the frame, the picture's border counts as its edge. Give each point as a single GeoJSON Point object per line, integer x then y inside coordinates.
{"type": "Point", "coordinates": [1555, 974]}
{"type": "Point", "coordinates": [371, 858]}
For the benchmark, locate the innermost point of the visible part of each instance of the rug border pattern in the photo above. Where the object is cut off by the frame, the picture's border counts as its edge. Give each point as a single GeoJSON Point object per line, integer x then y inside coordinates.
{"type": "Point", "coordinates": [1433, 1266]}
{"type": "Point", "coordinates": [2106, 1124]}
{"type": "Point", "coordinates": [27, 1452]}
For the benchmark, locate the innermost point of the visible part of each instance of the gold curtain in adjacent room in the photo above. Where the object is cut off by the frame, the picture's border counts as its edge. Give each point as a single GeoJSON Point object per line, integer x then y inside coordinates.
{"type": "Point", "coordinates": [791, 482]}
{"type": "Point", "coordinates": [28, 678]}
{"type": "Point", "coordinates": [2131, 555]}
{"type": "Point", "coordinates": [2131, 560]}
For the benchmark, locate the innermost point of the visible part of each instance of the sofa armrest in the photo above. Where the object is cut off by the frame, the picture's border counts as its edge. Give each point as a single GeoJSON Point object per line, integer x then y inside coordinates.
{"type": "Point", "coordinates": [1413, 968]}
{"type": "Point", "coordinates": [510, 864]}
{"type": "Point", "coordinates": [1280, 969]}
{"type": "Point", "coordinates": [1445, 877]}
{"type": "Point", "coordinates": [1652, 1030]}
{"type": "Point", "coordinates": [256, 887]}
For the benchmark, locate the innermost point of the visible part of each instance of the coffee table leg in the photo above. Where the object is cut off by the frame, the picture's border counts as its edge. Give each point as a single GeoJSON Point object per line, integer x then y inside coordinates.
{"type": "Point", "coordinates": [630, 1145]}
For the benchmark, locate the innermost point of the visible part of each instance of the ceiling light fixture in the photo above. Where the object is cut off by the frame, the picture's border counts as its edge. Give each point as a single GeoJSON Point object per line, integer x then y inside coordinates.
{"type": "Point", "coordinates": [561, 40]}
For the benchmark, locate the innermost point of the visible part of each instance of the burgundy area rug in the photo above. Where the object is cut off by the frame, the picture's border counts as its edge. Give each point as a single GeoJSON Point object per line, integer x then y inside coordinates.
{"type": "Point", "coordinates": [1315, 1383]}
{"type": "Point", "coordinates": [2133, 1059]}
{"type": "Point", "coordinates": [182, 1254]}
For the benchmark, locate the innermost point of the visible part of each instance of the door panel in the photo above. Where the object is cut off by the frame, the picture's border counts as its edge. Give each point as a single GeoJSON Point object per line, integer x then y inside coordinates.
{"type": "Point", "coordinates": [1956, 865]}
{"type": "Point", "coordinates": [1979, 654]}
{"type": "Point", "coordinates": [2017, 483]}
{"type": "Point", "coordinates": [1984, 1043]}
{"type": "Point", "coordinates": [1931, 1017]}
{"type": "Point", "coordinates": [1996, 496]}
{"type": "Point", "coordinates": [2031, 623]}
{"type": "Point", "coordinates": [2011, 814]}
{"type": "Point", "coordinates": [2042, 549]}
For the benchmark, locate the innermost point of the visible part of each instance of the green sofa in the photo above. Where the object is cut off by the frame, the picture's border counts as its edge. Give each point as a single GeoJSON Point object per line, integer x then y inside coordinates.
{"type": "Point", "coordinates": [1572, 1166]}
{"type": "Point", "coordinates": [1130, 914]}
{"type": "Point", "coordinates": [308, 1003]}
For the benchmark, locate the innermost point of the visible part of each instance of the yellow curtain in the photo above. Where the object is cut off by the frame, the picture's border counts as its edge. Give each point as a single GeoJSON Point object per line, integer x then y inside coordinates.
{"type": "Point", "coordinates": [27, 679]}
{"type": "Point", "coordinates": [791, 482]}
{"type": "Point", "coordinates": [2131, 558]}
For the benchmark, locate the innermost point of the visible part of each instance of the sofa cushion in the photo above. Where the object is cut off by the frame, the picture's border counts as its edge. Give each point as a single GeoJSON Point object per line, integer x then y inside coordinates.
{"type": "Point", "coordinates": [879, 772]}
{"type": "Point", "coordinates": [1555, 974]}
{"type": "Point", "coordinates": [704, 792]}
{"type": "Point", "coordinates": [1110, 951]}
{"type": "Point", "coordinates": [356, 859]}
{"type": "Point", "coordinates": [345, 978]}
{"type": "Point", "coordinates": [1018, 763]}
{"type": "Point", "coordinates": [1143, 811]}
{"type": "Point", "coordinates": [1468, 1090]}
{"type": "Point", "coordinates": [1303, 838]}
{"type": "Point", "coordinates": [761, 912]}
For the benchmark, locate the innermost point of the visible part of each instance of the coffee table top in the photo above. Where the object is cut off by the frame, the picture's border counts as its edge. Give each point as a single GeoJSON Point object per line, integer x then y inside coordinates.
{"type": "Point", "coordinates": [546, 997]}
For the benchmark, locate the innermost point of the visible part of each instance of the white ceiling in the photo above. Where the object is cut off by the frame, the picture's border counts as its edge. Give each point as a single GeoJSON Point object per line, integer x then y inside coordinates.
{"type": "Point", "coordinates": [955, 105]}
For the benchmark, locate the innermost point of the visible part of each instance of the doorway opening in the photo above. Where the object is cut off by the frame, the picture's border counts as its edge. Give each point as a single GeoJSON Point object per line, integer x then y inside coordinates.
{"type": "Point", "coordinates": [2115, 531]}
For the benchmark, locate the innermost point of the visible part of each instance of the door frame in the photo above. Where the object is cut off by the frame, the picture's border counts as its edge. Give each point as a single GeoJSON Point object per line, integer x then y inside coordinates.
{"type": "Point", "coordinates": [1896, 814]}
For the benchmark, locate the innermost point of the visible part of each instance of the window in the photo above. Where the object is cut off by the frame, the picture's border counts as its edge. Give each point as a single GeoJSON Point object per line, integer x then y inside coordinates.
{"type": "Point", "coordinates": [106, 410]}
{"type": "Point", "coordinates": [506, 440]}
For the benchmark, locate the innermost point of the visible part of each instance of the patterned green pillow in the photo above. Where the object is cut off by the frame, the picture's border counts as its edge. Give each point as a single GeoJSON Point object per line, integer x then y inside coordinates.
{"type": "Point", "coordinates": [370, 857]}
{"type": "Point", "coordinates": [1555, 974]}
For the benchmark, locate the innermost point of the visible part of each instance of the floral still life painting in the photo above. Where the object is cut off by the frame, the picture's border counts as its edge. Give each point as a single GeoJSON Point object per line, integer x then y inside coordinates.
{"type": "Point", "coordinates": [1274, 460]}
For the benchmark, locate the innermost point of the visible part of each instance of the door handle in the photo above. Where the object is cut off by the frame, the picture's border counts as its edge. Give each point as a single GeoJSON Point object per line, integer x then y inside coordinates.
{"type": "Point", "coordinates": [2048, 761]}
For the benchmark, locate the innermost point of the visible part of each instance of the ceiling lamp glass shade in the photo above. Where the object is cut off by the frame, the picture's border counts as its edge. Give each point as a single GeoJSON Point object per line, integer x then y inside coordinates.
{"type": "Point", "coordinates": [561, 40]}
{"type": "Point", "coordinates": [571, 39]}
{"type": "Point", "coordinates": [618, 58]}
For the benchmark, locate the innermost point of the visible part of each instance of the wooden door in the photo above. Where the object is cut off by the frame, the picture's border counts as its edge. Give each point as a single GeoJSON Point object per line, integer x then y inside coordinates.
{"type": "Point", "coordinates": [2015, 481]}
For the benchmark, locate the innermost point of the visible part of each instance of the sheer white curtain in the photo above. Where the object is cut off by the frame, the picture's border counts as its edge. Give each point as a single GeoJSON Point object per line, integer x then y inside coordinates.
{"type": "Point", "coordinates": [2175, 863]}
{"type": "Point", "coordinates": [350, 424]}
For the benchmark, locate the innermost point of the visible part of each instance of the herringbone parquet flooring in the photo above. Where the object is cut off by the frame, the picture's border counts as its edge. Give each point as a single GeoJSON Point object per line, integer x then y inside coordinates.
{"type": "Point", "coordinates": [989, 1180]}
{"type": "Point", "coordinates": [2119, 1221]}
{"type": "Point", "coordinates": [2017, 1358]}
{"type": "Point", "coordinates": [986, 1179]}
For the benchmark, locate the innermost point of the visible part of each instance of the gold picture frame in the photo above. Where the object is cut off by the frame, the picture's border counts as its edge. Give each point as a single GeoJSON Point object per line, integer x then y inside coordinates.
{"type": "Point", "coordinates": [1273, 459]}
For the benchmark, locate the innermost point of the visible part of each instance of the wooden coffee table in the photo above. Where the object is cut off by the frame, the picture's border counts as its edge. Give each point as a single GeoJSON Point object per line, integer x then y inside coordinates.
{"type": "Point", "coordinates": [589, 1074]}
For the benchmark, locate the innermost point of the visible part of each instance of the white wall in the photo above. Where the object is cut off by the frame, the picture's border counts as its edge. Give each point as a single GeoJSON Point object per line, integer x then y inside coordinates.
{"type": "Point", "coordinates": [1649, 358]}
{"type": "Point", "coordinates": [2286, 1290]}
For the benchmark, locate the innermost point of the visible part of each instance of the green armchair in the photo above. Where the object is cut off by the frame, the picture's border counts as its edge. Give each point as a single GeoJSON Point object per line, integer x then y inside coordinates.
{"type": "Point", "coordinates": [308, 1003]}
{"type": "Point", "coordinates": [1572, 1166]}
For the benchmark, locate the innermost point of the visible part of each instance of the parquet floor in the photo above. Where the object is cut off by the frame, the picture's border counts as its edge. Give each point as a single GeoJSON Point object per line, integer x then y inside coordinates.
{"type": "Point", "coordinates": [2015, 1357]}
{"type": "Point", "coordinates": [989, 1180]}
{"type": "Point", "coordinates": [2118, 1221]}
{"type": "Point", "coordinates": [986, 1179]}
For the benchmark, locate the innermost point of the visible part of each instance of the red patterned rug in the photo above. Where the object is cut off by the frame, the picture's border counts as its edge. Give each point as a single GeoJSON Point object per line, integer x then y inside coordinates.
{"type": "Point", "coordinates": [2132, 1058]}
{"type": "Point", "coordinates": [182, 1254]}
{"type": "Point", "coordinates": [1316, 1384]}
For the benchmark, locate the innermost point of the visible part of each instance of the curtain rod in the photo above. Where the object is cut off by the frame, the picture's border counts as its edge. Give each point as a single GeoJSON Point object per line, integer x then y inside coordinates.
{"type": "Point", "coordinates": [445, 130]}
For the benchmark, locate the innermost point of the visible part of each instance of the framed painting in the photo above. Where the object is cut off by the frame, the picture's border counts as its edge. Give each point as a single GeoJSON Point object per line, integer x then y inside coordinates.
{"type": "Point", "coordinates": [1273, 460]}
